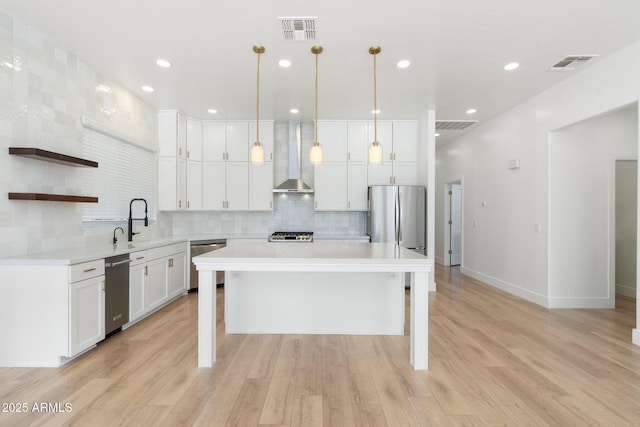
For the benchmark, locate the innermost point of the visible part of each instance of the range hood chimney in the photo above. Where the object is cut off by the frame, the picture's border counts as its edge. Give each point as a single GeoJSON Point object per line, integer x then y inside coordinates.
{"type": "Point", "coordinates": [294, 184]}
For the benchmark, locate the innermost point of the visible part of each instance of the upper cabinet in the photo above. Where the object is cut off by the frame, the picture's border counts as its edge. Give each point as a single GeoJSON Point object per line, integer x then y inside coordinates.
{"type": "Point", "coordinates": [214, 172]}
{"type": "Point", "coordinates": [399, 140]}
{"type": "Point", "coordinates": [172, 134]}
{"type": "Point", "coordinates": [332, 136]}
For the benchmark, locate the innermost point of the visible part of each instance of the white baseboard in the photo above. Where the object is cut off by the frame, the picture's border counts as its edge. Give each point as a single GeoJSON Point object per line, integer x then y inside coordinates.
{"type": "Point", "coordinates": [439, 260]}
{"type": "Point", "coordinates": [635, 336]}
{"type": "Point", "coordinates": [506, 286]}
{"type": "Point", "coordinates": [581, 302]}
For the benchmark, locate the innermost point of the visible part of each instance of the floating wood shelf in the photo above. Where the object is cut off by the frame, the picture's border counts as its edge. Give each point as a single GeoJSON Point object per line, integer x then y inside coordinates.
{"type": "Point", "coordinates": [52, 197]}
{"type": "Point", "coordinates": [50, 156]}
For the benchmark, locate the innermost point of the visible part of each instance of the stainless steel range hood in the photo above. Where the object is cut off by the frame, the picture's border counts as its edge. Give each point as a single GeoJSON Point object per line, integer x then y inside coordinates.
{"type": "Point", "coordinates": [294, 184]}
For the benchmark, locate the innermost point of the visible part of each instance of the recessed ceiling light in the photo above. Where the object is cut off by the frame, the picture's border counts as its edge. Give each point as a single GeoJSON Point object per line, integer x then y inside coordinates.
{"type": "Point", "coordinates": [284, 63]}
{"type": "Point", "coordinates": [294, 111]}
{"type": "Point", "coordinates": [147, 89]}
{"type": "Point", "coordinates": [437, 134]}
{"type": "Point", "coordinates": [511, 66]}
{"type": "Point", "coordinates": [212, 111]}
{"type": "Point", "coordinates": [403, 64]}
{"type": "Point", "coordinates": [471, 111]}
{"type": "Point", "coordinates": [375, 111]}
{"type": "Point", "coordinates": [163, 63]}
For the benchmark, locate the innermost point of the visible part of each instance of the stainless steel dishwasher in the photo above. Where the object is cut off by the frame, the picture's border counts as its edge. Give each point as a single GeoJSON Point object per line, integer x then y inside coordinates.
{"type": "Point", "coordinates": [199, 247]}
{"type": "Point", "coordinates": [116, 292]}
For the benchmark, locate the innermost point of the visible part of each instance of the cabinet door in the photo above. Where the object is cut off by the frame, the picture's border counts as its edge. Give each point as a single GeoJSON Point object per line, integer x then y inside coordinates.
{"type": "Point", "coordinates": [385, 138]}
{"type": "Point", "coordinates": [194, 140]}
{"type": "Point", "coordinates": [167, 133]}
{"type": "Point", "coordinates": [137, 276]}
{"type": "Point", "coordinates": [358, 142]}
{"type": "Point", "coordinates": [194, 185]}
{"type": "Point", "coordinates": [238, 141]}
{"type": "Point", "coordinates": [168, 183]}
{"type": "Point", "coordinates": [357, 186]}
{"type": "Point", "coordinates": [177, 274]}
{"type": "Point", "coordinates": [380, 174]}
{"type": "Point", "coordinates": [213, 185]}
{"type": "Point", "coordinates": [214, 141]}
{"type": "Point", "coordinates": [266, 137]}
{"type": "Point", "coordinates": [86, 314]}
{"type": "Point", "coordinates": [155, 287]}
{"type": "Point", "coordinates": [330, 182]}
{"type": "Point", "coordinates": [182, 136]}
{"type": "Point", "coordinates": [405, 141]}
{"type": "Point", "coordinates": [237, 186]}
{"type": "Point", "coordinates": [181, 184]}
{"type": "Point", "coordinates": [261, 187]}
{"type": "Point", "coordinates": [333, 138]}
{"type": "Point", "coordinates": [405, 173]}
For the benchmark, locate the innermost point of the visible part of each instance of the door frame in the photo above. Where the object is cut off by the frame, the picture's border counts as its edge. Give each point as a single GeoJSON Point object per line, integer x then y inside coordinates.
{"type": "Point", "coordinates": [446, 258]}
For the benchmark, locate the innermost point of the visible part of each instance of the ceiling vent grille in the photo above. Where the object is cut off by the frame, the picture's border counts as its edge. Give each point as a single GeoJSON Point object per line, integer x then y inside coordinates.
{"type": "Point", "coordinates": [299, 28]}
{"type": "Point", "coordinates": [454, 124]}
{"type": "Point", "coordinates": [570, 62]}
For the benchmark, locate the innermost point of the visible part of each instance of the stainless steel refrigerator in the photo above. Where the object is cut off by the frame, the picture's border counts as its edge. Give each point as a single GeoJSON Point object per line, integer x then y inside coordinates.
{"type": "Point", "coordinates": [397, 213]}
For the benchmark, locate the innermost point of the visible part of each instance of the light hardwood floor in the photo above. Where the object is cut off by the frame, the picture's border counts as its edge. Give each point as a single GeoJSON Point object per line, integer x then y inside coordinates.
{"type": "Point", "coordinates": [494, 359]}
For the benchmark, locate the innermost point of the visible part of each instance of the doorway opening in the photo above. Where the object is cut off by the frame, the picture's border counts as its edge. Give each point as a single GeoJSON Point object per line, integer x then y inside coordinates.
{"type": "Point", "coordinates": [626, 211]}
{"type": "Point", "coordinates": [453, 223]}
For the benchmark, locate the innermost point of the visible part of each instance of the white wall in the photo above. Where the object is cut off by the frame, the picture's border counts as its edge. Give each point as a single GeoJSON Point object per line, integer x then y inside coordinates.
{"type": "Point", "coordinates": [45, 91]}
{"type": "Point", "coordinates": [581, 209]}
{"type": "Point", "coordinates": [501, 245]}
{"type": "Point", "coordinates": [626, 207]}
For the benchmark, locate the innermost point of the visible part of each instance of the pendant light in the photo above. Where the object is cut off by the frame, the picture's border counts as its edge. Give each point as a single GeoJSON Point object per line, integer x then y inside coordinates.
{"type": "Point", "coordinates": [375, 149]}
{"type": "Point", "coordinates": [257, 151]}
{"type": "Point", "coordinates": [315, 156]}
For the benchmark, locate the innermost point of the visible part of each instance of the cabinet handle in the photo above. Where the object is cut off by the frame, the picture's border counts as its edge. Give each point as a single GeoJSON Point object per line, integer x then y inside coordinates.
{"type": "Point", "coordinates": [146, 270]}
{"type": "Point", "coordinates": [188, 153]}
{"type": "Point", "coordinates": [179, 151]}
{"type": "Point", "coordinates": [316, 206]}
{"type": "Point", "coordinates": [104, 286]}
{"type": "Point", "coordinates": [348, 205]}
{"type": "Point", "coordinates": [89, 270]}
{"type": "Point", "coordinates": [179, 203]}
{"type": "Point", "coordinates": [188, 204]}
{"type": "Point", "coordinates": [140, 257]}
{"type": "Point", "coordinates": [270, 156]}
{"type": "Point", "coordinates": [348, 156]}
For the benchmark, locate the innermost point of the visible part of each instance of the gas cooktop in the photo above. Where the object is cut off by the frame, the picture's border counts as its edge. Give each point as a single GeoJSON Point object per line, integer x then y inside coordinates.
{"type": "Point", "coordinates": [291, 236]}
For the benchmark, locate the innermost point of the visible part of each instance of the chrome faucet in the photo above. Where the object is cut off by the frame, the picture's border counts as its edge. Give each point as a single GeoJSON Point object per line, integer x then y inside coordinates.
{"type": "Point", "coordinates": [115, 239]}
{"type": "Point", "coordinates": [145, 219]}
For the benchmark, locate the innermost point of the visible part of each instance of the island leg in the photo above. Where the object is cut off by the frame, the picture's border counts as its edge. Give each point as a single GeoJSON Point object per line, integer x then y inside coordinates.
{"type": "Point", "coordinates": [206, 318]}
{"type": "Point", "coordinates": [419, 340]}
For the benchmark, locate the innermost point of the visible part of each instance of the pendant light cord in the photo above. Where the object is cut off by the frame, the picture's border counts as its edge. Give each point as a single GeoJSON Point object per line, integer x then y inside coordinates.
{"type": "Point", "coordinates": [375, 102]}
{"type": "Point", "coordinates": [315, 122]}
{"type": "Point", "coordinates": [258, 102]}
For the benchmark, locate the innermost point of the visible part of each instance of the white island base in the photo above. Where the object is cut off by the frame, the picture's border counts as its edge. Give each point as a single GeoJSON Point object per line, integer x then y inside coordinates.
{"type": "Point", "coordinates": [330, 287]}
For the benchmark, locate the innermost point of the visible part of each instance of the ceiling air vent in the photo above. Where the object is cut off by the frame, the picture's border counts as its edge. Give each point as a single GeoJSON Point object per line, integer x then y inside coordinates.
{"type": "Point", "coordinates": [454, 124]}
{"type": "Point", "coordinates": [571, 62]}
{"type": "Point", "coordinates": [299, 28]}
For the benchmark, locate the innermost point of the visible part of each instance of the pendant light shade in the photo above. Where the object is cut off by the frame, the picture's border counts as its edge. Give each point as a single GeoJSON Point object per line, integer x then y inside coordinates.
{"type": "Point", "coordinates": [257, 150]}
{"type": "Point", "coordinates": [375, 149]}
{"type": "Point", "coordinates": [315, 156]}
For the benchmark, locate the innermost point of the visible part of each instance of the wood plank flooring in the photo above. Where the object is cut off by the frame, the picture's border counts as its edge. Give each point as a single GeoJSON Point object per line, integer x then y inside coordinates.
{"type": "Point", "coordinates": [494, 359]}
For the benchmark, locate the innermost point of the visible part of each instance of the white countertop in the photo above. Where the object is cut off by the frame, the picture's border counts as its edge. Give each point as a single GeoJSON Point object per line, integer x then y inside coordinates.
{"type": "Point", "coordinates": [305, 256]}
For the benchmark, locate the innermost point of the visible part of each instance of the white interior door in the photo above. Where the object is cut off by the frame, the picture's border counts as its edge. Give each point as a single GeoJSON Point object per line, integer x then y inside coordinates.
{"type": "Point", "coordinates": [456, 224]}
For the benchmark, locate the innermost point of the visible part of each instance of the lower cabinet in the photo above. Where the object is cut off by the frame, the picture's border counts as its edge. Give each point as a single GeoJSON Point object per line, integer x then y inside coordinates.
{"type": "Point", "coordinates": [155, 277]}
{"type": "Point", "coordinates": [86, 314]}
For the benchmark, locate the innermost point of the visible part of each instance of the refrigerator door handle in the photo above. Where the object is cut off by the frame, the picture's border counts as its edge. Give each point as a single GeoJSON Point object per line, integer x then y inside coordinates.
{"type": "Point", "coordinates": [398, 219]}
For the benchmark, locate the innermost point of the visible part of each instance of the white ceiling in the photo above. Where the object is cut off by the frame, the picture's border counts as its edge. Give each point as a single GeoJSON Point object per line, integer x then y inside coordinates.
{"type": "Point", "coordinates": [457, 50]}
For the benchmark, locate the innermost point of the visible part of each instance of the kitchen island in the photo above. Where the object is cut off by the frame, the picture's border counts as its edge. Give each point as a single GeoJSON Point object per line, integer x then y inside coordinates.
{"type": "Point", "coordinates": [336, 287]}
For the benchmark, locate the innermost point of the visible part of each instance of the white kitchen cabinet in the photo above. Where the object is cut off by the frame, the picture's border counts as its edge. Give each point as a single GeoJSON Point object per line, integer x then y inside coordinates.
{"type": "Point", "coordinates": [332, 136]}
{"type": "Point", "coordinates": [137, 279]}
{"type": "Point", "coordinates": [357, 141]}
{"type": "Point", "coordinates": [399, 141]}
{"type": "Point", "coordinates": [176, 274]}
{"type": "Point", "coordinates": [261, 187]}
{"type": "Point", "coordinates": [194, 140]}
{"type": "Point", "coordinates": [172, 134]}
{"type": "Point", "coordinates": [194, 185]}
{"type": "Point", "coordinates": [357, 189]}
{"type": "Point", "coordinates": [172, 183]}
{"type": "Point", "coordinates": [226, 186]}
{"type": "Point", "coordinates": [155, 286]}
{"type": "Point", "coordinates": [266, 138]}
{"type": "Point", "coordinates": [238, 141]}
{"type": "Point", "coordinates": [86, 314]}
{"type": "Point", "coordinates": [214, 142]}
{"type": "Point", "coordinates": [330, 186]}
